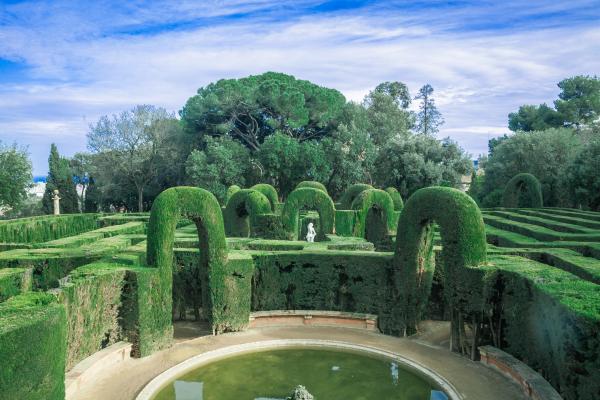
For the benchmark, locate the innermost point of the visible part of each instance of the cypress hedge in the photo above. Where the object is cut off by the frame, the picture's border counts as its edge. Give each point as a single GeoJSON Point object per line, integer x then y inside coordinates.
{"type": "Point", "coordinates": [374, 214]}
{"type": "Point", "coordinates": [313, 199]}
{"type": "Point", "coordinates": [269, 191]}
{"type": "Point", "coordinates": [344, 222]}
{"type": "Point", "coordinates": [32, 347]}
{"type": "Point", "coordinates": [230, 191]}
{"type": "Point", "coordinates": [14, 281]}
{"type": "Point", "coordinates": [312, 184]}
{"type": "Point", "coordinates": [523, 190]}
{"type": "Point", "coordinates": [45, 228]}
{"type": "Point", "coordinates": [464, 244]}
{"type": "Point", "coordinates": [396, 198]}
{"type": "Point", "coordinates": [243, 206]}
{"type": "Point", "coordinates": [202, 207]}
{"type": "Point", "coordinates": [350, 194]}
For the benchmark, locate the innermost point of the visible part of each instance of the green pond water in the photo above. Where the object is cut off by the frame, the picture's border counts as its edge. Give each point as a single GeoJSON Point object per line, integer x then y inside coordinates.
{"type": "Point", "coordinates": [326, 374]}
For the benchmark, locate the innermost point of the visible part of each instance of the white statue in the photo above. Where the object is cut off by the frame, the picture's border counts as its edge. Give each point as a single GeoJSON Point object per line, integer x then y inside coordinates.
{"type": "Point", "coordinates": [56, 202]}
{"type": "Point", "coordinates": [310, 234]}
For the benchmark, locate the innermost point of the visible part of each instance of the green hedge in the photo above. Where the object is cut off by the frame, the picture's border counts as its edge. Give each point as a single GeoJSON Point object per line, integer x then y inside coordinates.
{"type": "Point", "coordinates": [312, 184]}
{"type": "Point", "coordinates": [32, 348]}
{"type": "Point", "coordinates": [313, 199]}
{"type": "Point", "coordinates": [268, 226]}
{"type": "Point", "coordinates": [523, 190]}
{"type": "Point", "coordinates": [241, 209]}
{"type": "Point", "coordinates": [14, 281]}
{"type": "Point", "coordinates": [344, 222]}
{"type": "Point", "coordinates": [230, 191]}
{"type": "Point", "coordinates": [45, 228]}
{"type": "Point", "coordinates": [374, 215]}
{"type": "Point", "coordinates": [350, 194]}
{"type": "Point", "coordinates": [396, 198]}
{"type": "Point", "coordinates": [463, 239]}
{"type": "Point", "coordinates": [269, 191]}
{"type": "Point", "coordinates": [203, 208]}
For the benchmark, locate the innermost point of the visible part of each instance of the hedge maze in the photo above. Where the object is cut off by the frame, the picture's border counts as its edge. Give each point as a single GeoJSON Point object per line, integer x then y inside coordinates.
{"type": "Point", "coordinates": [522, 279]}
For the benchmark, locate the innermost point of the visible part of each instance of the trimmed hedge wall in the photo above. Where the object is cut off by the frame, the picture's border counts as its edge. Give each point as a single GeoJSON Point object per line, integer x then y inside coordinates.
{"type": "Point", "coordinates": [523, 190]}
{"type": "Point", "coordinates": [350, 194]}
{"type": "Point", "coordinates": [45, 228]}
{"type": "Point", "coordinates": [463, 238]}
{"type": "Point", "coordinates": [269, 191]}
{"type": "Point", "coordinates": [374, 215]}
{"type": "Point", "coordinates": [32, 348]}
{"type": "Point", "coordinates": [308, 198]}
{"type": "Point", "coordinates": [203, 208]}
{"type": "Point", "coordinates": [344, 222]}
{"type": "Point", "coordinates": [396, 198]}
{"type": "Point", "coordinates": [312, 184]}
{"type": "Point", "coordinates": [241, 209]}
{"type": "Point", "coordinates": [14, 281]}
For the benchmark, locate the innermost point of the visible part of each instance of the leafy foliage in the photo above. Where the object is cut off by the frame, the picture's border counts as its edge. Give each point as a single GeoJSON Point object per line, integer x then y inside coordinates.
{"type": "Point", "coordinates": [523, 191]}
{"type": "Point", "coordinates": [15, 175]}
{"type": "Point", "coordinates": [60, 177]}
{"type": "Point", "coordinates": [583, 177]}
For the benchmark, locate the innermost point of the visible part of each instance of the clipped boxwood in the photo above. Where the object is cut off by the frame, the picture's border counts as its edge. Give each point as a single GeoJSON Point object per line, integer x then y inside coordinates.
{"type": "Point", "coordinates": [523, 190]}
{"type": "Point", "coordinates": [396, 198]}
{"type": "Point", "coordinates": [350, 194]}
{"type": "Point", "coordinates": [45, 228]}
{"type": "Point", "coordinates": [241, 209]}
{"type": "Point", "coordinates": [32, 348]}
{"type": "Point", "coordinates": [269, 191]}
{"type": "Point", "coordinates": [312, 184]}
{"type": "Point", "coordinates": [344, 222]}
{"type": "Point", "coordinates": [230, 191]}
{"type": "Point", "coordinates": [313, 199]}
{"type": "Point", "coordinates": [202, 207]}
{"type": "Point", "coordinates": [464, 244]}
{"type": "Point", "coordinates": [374, 214]}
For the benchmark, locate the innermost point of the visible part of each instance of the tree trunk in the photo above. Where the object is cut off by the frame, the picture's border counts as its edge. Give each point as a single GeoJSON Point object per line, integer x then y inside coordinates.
{"type": "Point", "coordinates": [140, 198]}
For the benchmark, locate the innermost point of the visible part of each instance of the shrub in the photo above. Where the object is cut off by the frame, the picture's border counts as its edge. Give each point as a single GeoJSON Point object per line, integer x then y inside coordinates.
{"type": "Point", "coordinates": [312, 184]}
{"type": "Point", "coordinates": [396, 198]}
{"type": "Point", "coordinates": [344, 222]}
{"type": "Point", "coordinates": [523, 190]}
{"type": "Point", "coordinates": [308, 198]}
{"type": "Point", "coordinates": [230, 191]}
{"type": "Point", "coordinates": [464, 244]}
{"type": "Point", "coordinates": [203, 208]}
{"type": "Point", "coordinates": [374, 217]}
{"type": "Point", "coordinates": [351, 193]}
{"type": "Point", "coordinates": [32, 348]}
{"type": "Point", "coordinates": [241, 209]}
{"type": "Point", "coordinates": [14, 281]}
{"type": "Point", "coordinates": [269, 191]}
{"type": "Point", "coordinates": [45, 228]}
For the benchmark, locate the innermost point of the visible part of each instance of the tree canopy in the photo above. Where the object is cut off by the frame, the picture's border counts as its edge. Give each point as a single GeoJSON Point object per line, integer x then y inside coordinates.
{"type": "Point", "coordinates": [15, 175]}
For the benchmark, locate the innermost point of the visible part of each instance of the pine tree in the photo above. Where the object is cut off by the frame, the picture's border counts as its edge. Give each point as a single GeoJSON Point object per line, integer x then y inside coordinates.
{"type": "Point", "coordinates": [60, 178]}
{"type": "Point", "coordinates": [429, 118]}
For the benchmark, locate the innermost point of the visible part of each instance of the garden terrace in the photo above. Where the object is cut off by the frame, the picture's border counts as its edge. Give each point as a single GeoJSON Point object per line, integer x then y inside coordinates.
{"type": "Point", "coordinates": [536, 295]}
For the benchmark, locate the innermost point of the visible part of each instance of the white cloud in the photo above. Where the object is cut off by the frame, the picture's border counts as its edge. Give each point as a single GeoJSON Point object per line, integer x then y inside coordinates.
{"type": "Point", "coordinates": [479, 77]}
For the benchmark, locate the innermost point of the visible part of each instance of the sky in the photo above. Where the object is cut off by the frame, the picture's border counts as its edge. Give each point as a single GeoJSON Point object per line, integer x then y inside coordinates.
{"type": "Point", "coordinates": [63, 64]}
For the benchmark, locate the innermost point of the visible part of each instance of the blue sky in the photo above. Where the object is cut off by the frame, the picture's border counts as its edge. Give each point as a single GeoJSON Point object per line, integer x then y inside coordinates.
{"type": "Point", "coordinates": [63, 64]}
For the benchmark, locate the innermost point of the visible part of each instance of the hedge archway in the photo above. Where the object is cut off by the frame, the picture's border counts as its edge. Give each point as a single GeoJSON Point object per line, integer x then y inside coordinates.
{"type": "Point", "coordinates": [378, 205]}
{"type": "Point", "coordinates": [241, 209]}
{"type": "Point", "coordinates": [396, 198]}
{"type": "Point", "coordinates": [351, 193]}
{"type": "Point", "coordinates": [310, 198]}
{"type": "Point", "coordinates": [201, 207]}
{"type": "Point", "coordinates": [230, 191]}
{"type": "Point", "coordinates": [464, 245]}
{"type": "Point", "coordinates": [312, 184]}
{"type": "Point", "coordinates": [523, 187]}
{"type": "Point", "coordinates": [269, 191]}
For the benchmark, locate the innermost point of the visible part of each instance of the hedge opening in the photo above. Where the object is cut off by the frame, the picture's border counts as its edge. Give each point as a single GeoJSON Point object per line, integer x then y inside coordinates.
{"type": "Point", "coordinates": [241, 210]}
{"type": "Point", "coordinates": [379, 206]}
{"type": "Point", "coordinates": [524, 191]}
{"type": "Point", "coordinates": [350, 194]}
{"type": "Point", "coordinates": [463, 238]}
{"type": "Point", "coordinates": [269, 192]}
{"type": "Point", "coordinates": [310, 199]}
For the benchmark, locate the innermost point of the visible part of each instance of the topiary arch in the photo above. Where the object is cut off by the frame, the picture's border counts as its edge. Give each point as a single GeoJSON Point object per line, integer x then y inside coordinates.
{"type": "Point", "coordinates": [269, 191]}
{"type": "Point", "coordinates": [351, 193]}
{"type": "Point", "coordinates": [312, 184]}
{"type": "Point", "coordinates": [523, 190]}
{"type": "Point", "coordinates": [396, 198]}
{"type": "Point", "coordinates": [310, 198]}
{"type": "Point", "coordinates": [464, 245]}
{"type": "Point", "coordinates": [243, 206]}
{"type": "Point", "coordinates": [201, 207]}
{"type": "Point", "coordinates": [230, 191]}
{"type": "Point", "coordinates": [374, 215]}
